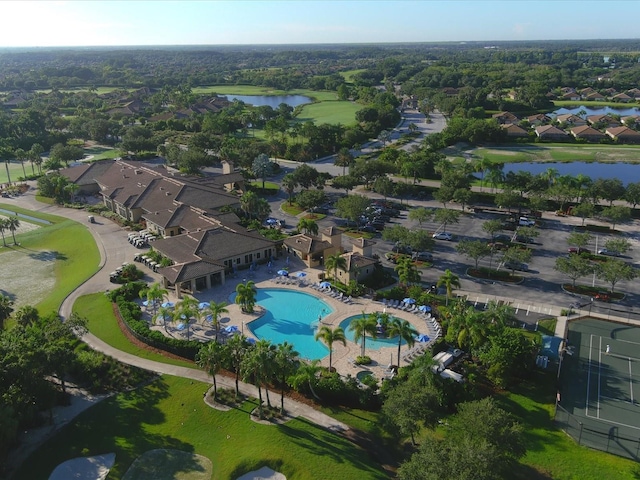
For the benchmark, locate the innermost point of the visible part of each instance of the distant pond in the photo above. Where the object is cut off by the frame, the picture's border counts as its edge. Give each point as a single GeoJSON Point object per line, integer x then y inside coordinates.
{"type": "Point", "coordinates": [271, 100]}
{"type": "Point", "coordinates": [622, 111]}
{"type": "Point", "coordinates": [627, 172]}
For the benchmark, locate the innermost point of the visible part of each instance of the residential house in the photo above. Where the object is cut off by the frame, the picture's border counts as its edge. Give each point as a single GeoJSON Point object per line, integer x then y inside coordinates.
{"type": "Point", "coordinates": [360, 263]}
{"type": "Point", "coordinates": [622, 98]}
{"type": "Point", "coordinates": [451, 91]}
{"type": "Point", "coordinates": [595, 97]}
{"type": "Point", "coordinates": [515, 131]}
{"type": "Point", "coordinates": [610, 92]}
{"type": "Point", "coordinates": [623, 135]}
{"type": "Point", "coordinates": [570, 96]}
{"type": "Point", "coordinates": [606, 120]}
{"type": "Point", "coordinates": [505, 118]}
{"type": "Point", "coordinates": [630, 120]}
{"type": "Point", "coordinates": [587, 133]}
{"type": "Point", "coordinates": [634, 93]}
{"type": "Point", "coordinates": [538, 119]}
{"type": "Point", "coordinates": [571, 120]}
{"type": "Point", "coordinates": [551, 133]}
{"type": "Point", "coordinates": [585, 92]}
{"type": "Point", "coordinates": [85, 175]}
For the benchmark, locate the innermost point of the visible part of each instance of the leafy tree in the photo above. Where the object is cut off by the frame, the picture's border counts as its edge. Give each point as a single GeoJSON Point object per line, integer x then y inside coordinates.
{"type": "Point", "coordinates": [26, 315]}
{"type": "Point", "coordinates": [420, 215]}
{"type": "Point", "coordinates": [463, 196]}
{"type": "Point", "coordinates": [420, 240]}
{"type": "Point", "coordinates": [610, 189]}
{"type": "Point", "coordinates": [574, 267]}
{"type": "Point", "coordinates": [616, 214]}
{"type": "Point", "coordinates": [407, 271]}
{"type": "Point", "coordinates": [361, 326]}
{"type": "Point", "coordinates": [305, 176]}
{"type": "Point", "coordinates": [492, 227]}
{"type": "Point", "coordinates": [384, 186]}
{"type": "Point", "coordinates": [579, 239]}
{"type": "Point", "coordinates": [508, 199]}
{"type": "Point", "coordinates": [584, 210]}
{"type": "Point", "coordinates": [446, 217]}
{"type": "Point", "coordinates": [310, 199]}
{"type": "Point", "coordinates": [330, 336]}
{"type": "Point", "coordinates": [614, 271]}
{"type": "Point", "coordinates": [246, 296]}
{"type": "Point", "coordinates": [345, 182]}
{"type": "Point", "coordinates": [632, 194]}
{"type": "Point", "coordinates": [444, 195]}
{"type": "Point", "coordinates": [528, 233]}
{"type": "Point", "coordinates": [404, 331]}
{"type": "Point", "coordinates": [262, 167]}
{"type": "Point", "coordinates": [449, 281]}
{"type": "Point", "coordinates": [335, 262]}
{"type": "Point", "coordinates": [515, 255]}
{"type": "Point", "coordinates": [6, 307]}
{"type": "Point", "coordinates": [352, 207]}
{"type": "Point", "coordinates": [474, 249]}
{"type": "Point", "coordinates": [210, 358]}
{"type": "Point", "coordinates": [619, 246]}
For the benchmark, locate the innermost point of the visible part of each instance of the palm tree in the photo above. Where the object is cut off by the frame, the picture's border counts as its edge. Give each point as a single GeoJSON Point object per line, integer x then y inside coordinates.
{"type": "Point", "coordinates": [285, 363]}
{"type": "Point", "coordinates": [468, 327]}
{"type": "Point", "coordinates": [289, 183]}
{"type": "Point", "coordinates": [165, 313]}
{"type": "Point", "coordinates": [216, 309]}
{"type": "Point", "coordinates": [361, 326]}
{"type": "Point", "coordinates": [6, 307]}
{"type": "Point", "coordinates": [258, 365]}
{"type": "Point", "coordinates": [26, 315]}
{"type": "Point", "coordinates": [248, 203]}
{"type": "Point", "coordinates": [155, 294]}
{"type": "Point", "coordinates": [449, 281]}
{"type": "Point", "coordinates": [235, 349]}
{"type": "Point", "coordinates": [185, 311]}
{"type": "Point", "coordinates": [344, 159]}
{"type": "Point", "coordinates": [13, 224]}
{"type": "Point", "coordinates": [335, 262]}
{"type": "Point", "coordinates": [3, 227]}
{"type": "Point", "coordinates": [407, 271]}
{"type": "Point", "coordinates": [481, 166]}
{"type": "Point", "coordinates": [210, 358]}
{"type": "Point", "coordinates": [329, 336]}
{"type": "Point", "coordinates": [307, 372]}
{"type": "Point", "coordinates": [405, 331]}
{"type": "Point", "coordinates": [246, 296]}
{"type": "Point", "coordinates": [308, 226]}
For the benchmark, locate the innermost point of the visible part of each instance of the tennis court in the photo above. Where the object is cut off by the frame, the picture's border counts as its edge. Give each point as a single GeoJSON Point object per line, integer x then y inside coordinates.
{"type": "Point", "coordinates": [599, 389]}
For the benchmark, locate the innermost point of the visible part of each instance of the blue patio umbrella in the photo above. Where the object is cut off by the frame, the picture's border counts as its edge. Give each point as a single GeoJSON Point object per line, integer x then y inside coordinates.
{"type": "Point", "coordinates": [251, 341]}
{"type": "Point", "coordinates": [409, 301]}
{"type": "Point", "coordinates": [231, 329]}
{"type": "Point", "coordinates": [424, 308]}
{"type": "Point", "coordinates": [168, 305]}
{"type": "Point", "coordinates": [284, 273]}
{"type": "Point", "coordinates": [203, 305]}
{"type": "Point", "coordinates": [180, 326]}
{"type": "Point", "coordinates": [301, 274]}
{"type": "Point", "coordinates": [422, 338]}
{"type": "Point", "coordinates": [325, 284]}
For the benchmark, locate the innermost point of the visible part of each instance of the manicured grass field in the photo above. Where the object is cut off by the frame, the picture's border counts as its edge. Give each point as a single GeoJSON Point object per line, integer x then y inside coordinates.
{"type": "Point", "coordinates": [76, 252]}
{"type": "Point", "coordinates": [348, 75]}
{"type": "Point", "coordinates": [97, 309]}
{"type": "Point", "coordinates": [15, 170]}
{"type": "Point", "coordinates": [334, 112]}
{"type": "Point", "coordinates": [559, 153]}
{"type": "Point", "coordinates": [170, 413]}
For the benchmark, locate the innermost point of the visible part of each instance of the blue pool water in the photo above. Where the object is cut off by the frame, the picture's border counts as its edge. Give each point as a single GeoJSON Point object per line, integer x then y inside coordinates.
{"type": "Point", "coordinates": [370, 343]}
{"type": "Point", "coordinates": [293, 317]}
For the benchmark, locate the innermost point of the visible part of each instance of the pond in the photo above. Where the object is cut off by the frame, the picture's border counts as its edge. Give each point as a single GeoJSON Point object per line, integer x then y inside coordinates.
{"type": "Point", "coordinates": [622, 111]}
{"type": "Point", "coordinates": [271, 100]}
{"type": "Point", "coordinates": [28, 218]}
{"type": "Point", "coordinates": [627, 172]}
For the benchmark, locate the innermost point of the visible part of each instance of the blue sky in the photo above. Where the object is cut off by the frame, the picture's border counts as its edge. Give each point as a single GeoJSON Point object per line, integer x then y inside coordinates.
{"type": "Point", "coordinates": [211, 22]}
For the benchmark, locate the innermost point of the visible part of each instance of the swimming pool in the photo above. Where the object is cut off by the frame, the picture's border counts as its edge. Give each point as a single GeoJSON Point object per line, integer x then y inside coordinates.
{"type": "Point", "coordinates": [371, 343]}
{"type": "Point", "coordinates": [291, 316]}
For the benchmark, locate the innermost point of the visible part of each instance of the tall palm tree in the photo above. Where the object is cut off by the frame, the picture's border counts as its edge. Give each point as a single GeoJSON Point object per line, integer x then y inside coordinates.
{"type": "Point", "coordinates": [405, 331]}
{"type": "Point", "coordinates": [3, 227]}
{"type": "Point", "coordinates": [344, 159]}
{"type": "Point", "coordinates": [165, 313]}
{"type": "Point", "coordinates": [211, 358]}
{"type": "Point", "coordinates": [246, 296]}
{"type": "Point", "coordinates": [6, 307]}
{"type": "Point", "coordinates": [289, 183]}
{"type": "Point", "coordinates": [26, 315]}
{"type": "Point", "coordinates": [12, 225]}
{"type": "Point", "coordinates": [186, 310]}
{"type": "Point", "coordinates": [257, 365]}
{"type": "Point", "coordinates": [216, 309]}
{"type": "Point", "coordinates": [155, 294]}
{"type": "Point", "coordinates": [330, 336]}
{"type": "Point", "coordinates": [248, 203]}
{"type": "Point", "coordinates": [235, 350]}
{"type": "Point", "coordinates": [407, 271]}
{"type": "Point", "coordinates": [361, 326]}
{"type": "Point", "coordinates": [285, 363]}
{"type": "Point", "coordinates": [307, 372]}
{"type": "Point", "coordinates": [335, 262]}
{"type": "Point", "coordinates": [308, 226]}
{"type": "Point", "coordinates": [449, 281]}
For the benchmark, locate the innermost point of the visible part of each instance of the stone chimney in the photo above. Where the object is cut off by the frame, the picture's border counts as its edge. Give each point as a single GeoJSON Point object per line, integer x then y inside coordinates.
{"type": "Point", "coordinates": [227, 167]}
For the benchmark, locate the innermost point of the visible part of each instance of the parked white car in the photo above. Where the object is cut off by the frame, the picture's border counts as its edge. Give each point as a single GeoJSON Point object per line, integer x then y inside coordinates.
{"type": "Point", "coordinates": [526, 222]}
{"type": "Point", "coordinates": [443, 236]}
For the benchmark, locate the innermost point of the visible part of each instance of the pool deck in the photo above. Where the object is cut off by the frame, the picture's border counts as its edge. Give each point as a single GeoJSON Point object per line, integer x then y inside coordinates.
{"type": "Point", "coordinates": [343, 356]}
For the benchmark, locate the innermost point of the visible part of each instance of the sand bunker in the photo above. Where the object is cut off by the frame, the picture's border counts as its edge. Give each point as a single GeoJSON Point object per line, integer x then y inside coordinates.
{"type": "Point", "coordinates": [84, 468]}
{"type": "Point", "coordinates": [265, 473]}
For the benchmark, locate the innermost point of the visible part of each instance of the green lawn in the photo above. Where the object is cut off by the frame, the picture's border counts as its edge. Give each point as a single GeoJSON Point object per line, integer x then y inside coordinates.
{"type": "Point", "coordinates": [76, 252]}
{"type": "Point", "coordinates": [582, 103]}
{"type": "Point", "coordinates": [97, 309]}
{"type": "Point", "coordinates": [170, 413]}
{"type": "Point", "coordinates": [335, 112]}
{"type": "Point", "coordinates": [15, 170]}
{"type": "Point", "coordinates": [559, 153]}
{"type": "Point", "coordinates": [348, 75]}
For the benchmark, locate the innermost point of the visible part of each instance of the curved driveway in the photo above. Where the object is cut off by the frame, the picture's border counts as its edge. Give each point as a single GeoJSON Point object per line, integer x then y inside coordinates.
{"type": "Point", "coordinates": [115, 250]}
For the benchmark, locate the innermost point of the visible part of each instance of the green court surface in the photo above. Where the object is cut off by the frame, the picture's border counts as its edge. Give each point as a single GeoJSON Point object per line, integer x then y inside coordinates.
{"type": "Point", "coordinates": [599, 386]}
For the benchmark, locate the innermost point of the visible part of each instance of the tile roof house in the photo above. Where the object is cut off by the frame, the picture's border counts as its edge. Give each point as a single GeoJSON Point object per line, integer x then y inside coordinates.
{"type": "Point", "coordinates": [571, 120]}
{"type": "Point", "coordinates": [311, 249]}
{"type": "Point", "coordinates": [570, 96]}
{"type": "Point", "coordinates": [505, 118]}
{"type": "Point", "coordinates": [606, 120]}
{"type": "Point", "coordinates": [595, 97]}
{"type": "Point", "coordinates": [630, 120]}
{"type": "Point", "coordinates": [539, 119]}
{"type": "Point", "coordinates": [622, 98]}
{"type": "Point", "coordinates": [514, 131]}
{"type": "Point", "coordinates": [633, 93]}
{"type": "Point", "coordinates": [85, 174]}
{"type": "Point", "coordinates": [588, 133]}
{"type": "Point", "coordinates": [551, 133]}
{"type": "Point", "coordinates": [623, 134]}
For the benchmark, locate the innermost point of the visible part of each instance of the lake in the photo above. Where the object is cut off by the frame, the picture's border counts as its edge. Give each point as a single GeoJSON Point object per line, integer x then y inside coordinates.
{"type": "Point", "coordinates": [271, 100]}
{"type": "Point", "coordinates": [622, 111]}
{"type": "Point", "coordinates": [627, 172]}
